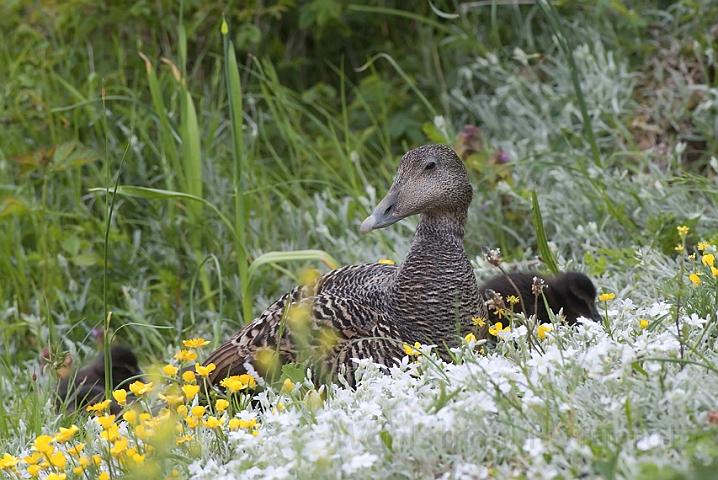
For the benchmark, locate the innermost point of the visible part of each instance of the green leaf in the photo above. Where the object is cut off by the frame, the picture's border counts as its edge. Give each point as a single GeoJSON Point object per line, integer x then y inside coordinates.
{"type": "Point", "coordinates": [546, 252]}
{"type": "Point", "coordinates": [388, 441]}
{"type": "Point", "coordinates": [86, 259]}
{"type": "Point", "coordinates": [13, 206]}
{"type": "Point", "coordinates": [293, 372]}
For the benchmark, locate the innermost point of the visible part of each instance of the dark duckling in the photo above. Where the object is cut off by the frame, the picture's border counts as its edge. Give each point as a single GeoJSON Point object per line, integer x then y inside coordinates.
{"type": "Point", "coordinates": [572, 291]}
{"type": "Point", "coordinates": [87, 387]}
{"type": "Point", "coordinates": [363, 311]}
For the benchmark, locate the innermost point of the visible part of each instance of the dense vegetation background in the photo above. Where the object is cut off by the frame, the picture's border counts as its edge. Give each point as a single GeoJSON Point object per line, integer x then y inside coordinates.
{"type": "Point", "coordinates": [606, 109]}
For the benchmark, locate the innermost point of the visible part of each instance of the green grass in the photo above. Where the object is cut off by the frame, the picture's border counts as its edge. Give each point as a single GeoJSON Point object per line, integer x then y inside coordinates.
{"type": "Point", "coordinates": [233, 151]}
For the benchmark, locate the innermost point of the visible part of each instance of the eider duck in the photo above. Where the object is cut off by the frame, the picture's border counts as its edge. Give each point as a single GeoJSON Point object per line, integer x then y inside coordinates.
{"type": "Point", "coordinates": [572, 291]}
{"type": "Point", "coordinates": [88, 385]}
{"type": "Point", "coordinates": [370, 310]}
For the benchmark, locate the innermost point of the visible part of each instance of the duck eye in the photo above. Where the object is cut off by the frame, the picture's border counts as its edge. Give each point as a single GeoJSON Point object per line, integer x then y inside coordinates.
{"type": "Point", "coordinates": [430, 166]}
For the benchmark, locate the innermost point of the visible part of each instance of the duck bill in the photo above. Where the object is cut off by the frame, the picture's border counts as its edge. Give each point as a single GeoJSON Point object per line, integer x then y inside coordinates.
{"type": "Point", "coordinates": [383, 214]}
{"type": "Point", "coordinates": [595, 316]}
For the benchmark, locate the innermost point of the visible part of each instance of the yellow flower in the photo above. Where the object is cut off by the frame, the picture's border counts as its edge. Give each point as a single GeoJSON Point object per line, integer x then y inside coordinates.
{"type": "Point", "coordinates": [130, 417]}
{"type": "Point", "coordinates": [33, 459]}
{"type": "Point", "coordinates": [139, 388]}
{"type": "Point", "coordinates": [212, 422]}
{"type": "Point", "coordinates": [221, 405]}
{"type": "Point", "coordinates": [386, 262]}
{"type": "Point", "coordinates": [76, 450]}
{"type": "Point", "coordinates": [61, 476]}
{"type": "Point", "coordinates": [182, 410]}
{"type": "Point", "coordinates": [144, 432]}
{"type": "Point", "coordinates": [287, 386]}
{"type": "Point", "coordinates": [703, 245]}
{"type": "Point", "coordinates": [111, 433]}
{"type": "Point", "coordinates": [172, 400]}
{"type": "Point", "coordinates": [58, 460]}
{"type": "Point", "coordinates": [643, 323]}
{"type": "Point", "coordinates": [236, 383]}
{"type": "Point", "coordinates": [192, 422]}
{"type": "Point", "coordinates": [234, 424]}
{"type": "Point", "coordinates": [106, 421]}
{"type": "Point", "coordinates": [678, 248]}
{"type": "Point", "coordinates": [512, 299]}
{"type": "Point", "coordinates": [198, 410]}
{"type": "Point", "coordinates": [188, 376]}
{"type": "Point", "coordinates": [99, 407]}
{"type": "Point", "coordinates": [247, 423]}
{"type": "Point", "coordinates": [170, 370]}
{"type": "Point", "coordinates": [119, 447]}
{"type": "Point", "coordinates": [682, 231]}
{"type": "Point", "coordinates": [409, 350]}
{"type": "Point", "coordinates": [78, 470]}
{"type": "Point", "coordinates": [8, 461]}
{"type": "Point", "coordinates": [186, 356]}
{"type": "Point", "coordinates": [543, 330]}
{"type": "Point", "coordinates": [184, 439]}
{"type": "Point", "coordinates": [104, 476]}
{"type": "Point", "coordinates": [42, 444]}
{"type": "Point", "coordinates": [204, 371]}
{"type": "Point", "coordinates": [604, 297]}
{"type": "Point", "coordinates": [470, 338]}
{"type": "Point", "coordinates": [66, 434]}
{"type": "Point", "coordinates": [497, 328]}
{"type": "Point", "coordinates": [708, 259]}
{"type": "Point", "coordinates": [137, 458]}
{"type": "Point", "coordinates": [714, 271]}
{"type": "Point", "coordinates": [695, 279]}
{"type": "Point", "coordinates": [120, 396]}
{"type": "Point", "coordinates": [195, 343]}
{"type": "Point", "coordinates": [478, 321]}
{"type": "Point", "coordinates": [34, 470]}
{"type": "Point", "coordinates": [190, 391]}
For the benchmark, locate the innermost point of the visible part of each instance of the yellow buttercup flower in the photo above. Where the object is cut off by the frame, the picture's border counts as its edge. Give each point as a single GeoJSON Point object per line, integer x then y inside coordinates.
{"type": "Point", "coordinates": [112, 433]}
{"type": "Point", "coordinates": [184, 439]}
{"type": "Point", "coordinates": [604, 297]}
{"type": "Point", "coordinates": [76, 450]}
{"type": "Point", "coordinates": [212, 422]}
{"type": "Point", "coordinates": [714, 271]}
{"type": "Point", "coordinates": [192, 422]}
{"type": "Point", "coordinates": [643, 323]}
{"type": "Point", "coordinates": [42, 444]}
{"type": "Point", "coordinates": [143, 432]}
{"type": "Point", "coordinates": [172, 400]}
{"type": "Point", "coordinates": [33, 459]}
{"type": "Point", "coordinates": [119, 447]}
{"type": "Point", "coordinates": [130, 417]}
{"type": "Point", "coordinates": [287, 386]}
{"type": "Point", "coordinates": [188, 376]}
{"type": "Point", "coordinates": [62, 476]}
{"type": "Point", "coordinates": [234, 424]}
{"type": "Point", "coordinates": [236, 383]}
{"type": "Point", "coordinates": [198, 410]}
{"type": "Point", "coordinates": [66, 433]}
{"type": "Point", "coordinates": [542, 330]}
{"type": "Point", "coordinates": [99, 407]}
{"type": "Point", "coordinates": [221, 405]}
{"type": "Point", "coordinates": [695, 279]}
{"type": "Point", "coordinates": [8, 461]}
{"type": "Point", "coordinates": [120, 396]}
{"type": "Point", "coordinates": [412, 351]}
{"type": "Point", "coordinates": [470, 338]}
{"type": "Point", "coordinates": [498, 328]}
{"type": "Point", "coordinates": [106, 421]}
{"type": "Point", "coordinates": [104, 476]}
{"type": "Point", "coordinates": [190, 391]}
{"type": "Point", "coordinates": [708, 259]}
{"type": "Point", "coordinates": [139, 388]}
{"type": "Point", "coordinates": [204, 371]}
{"type": "Point", "coordinates": [186, 356]}
{"type": "Point", "coordinates": [195, 343]}
{"type": "Point", "coordinates": [170, 370]}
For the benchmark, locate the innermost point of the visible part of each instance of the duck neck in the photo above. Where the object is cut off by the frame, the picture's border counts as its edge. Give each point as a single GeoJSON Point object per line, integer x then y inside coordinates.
{"type": "Point", "coordinates": [435, 287]}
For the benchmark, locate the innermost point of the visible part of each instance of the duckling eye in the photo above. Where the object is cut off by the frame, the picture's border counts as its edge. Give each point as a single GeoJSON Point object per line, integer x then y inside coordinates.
{"type": "Point", "coordinates": [430, 166]}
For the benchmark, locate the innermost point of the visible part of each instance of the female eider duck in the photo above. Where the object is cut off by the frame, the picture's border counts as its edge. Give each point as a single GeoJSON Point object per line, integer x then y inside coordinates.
{"type": "Point", "coordinates": [370, 310]}
{"type": "Point", "coordinates": [572, 291]}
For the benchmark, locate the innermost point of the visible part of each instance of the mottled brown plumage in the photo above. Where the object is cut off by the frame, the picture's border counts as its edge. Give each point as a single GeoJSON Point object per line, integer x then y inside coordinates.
{"type": "Point", "coordinates": [430, 298]}
{"type": "Point", "coordinates": [572, 291]}
{"type": "Point", "coordinates": [88, 385]}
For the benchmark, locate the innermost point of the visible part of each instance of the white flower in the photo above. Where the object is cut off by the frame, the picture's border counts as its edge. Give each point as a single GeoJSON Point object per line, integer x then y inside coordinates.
{"type": "Point", "coordinates": [365, 460]}
{"type": "Point", "coordinates": [694, 320]}
{"type": "Point", "coordinates": [315, 450]}
{"type": "Point", "coordinates": [652, 441]}
{"type": "Point", "coordinates": [533, 446]}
